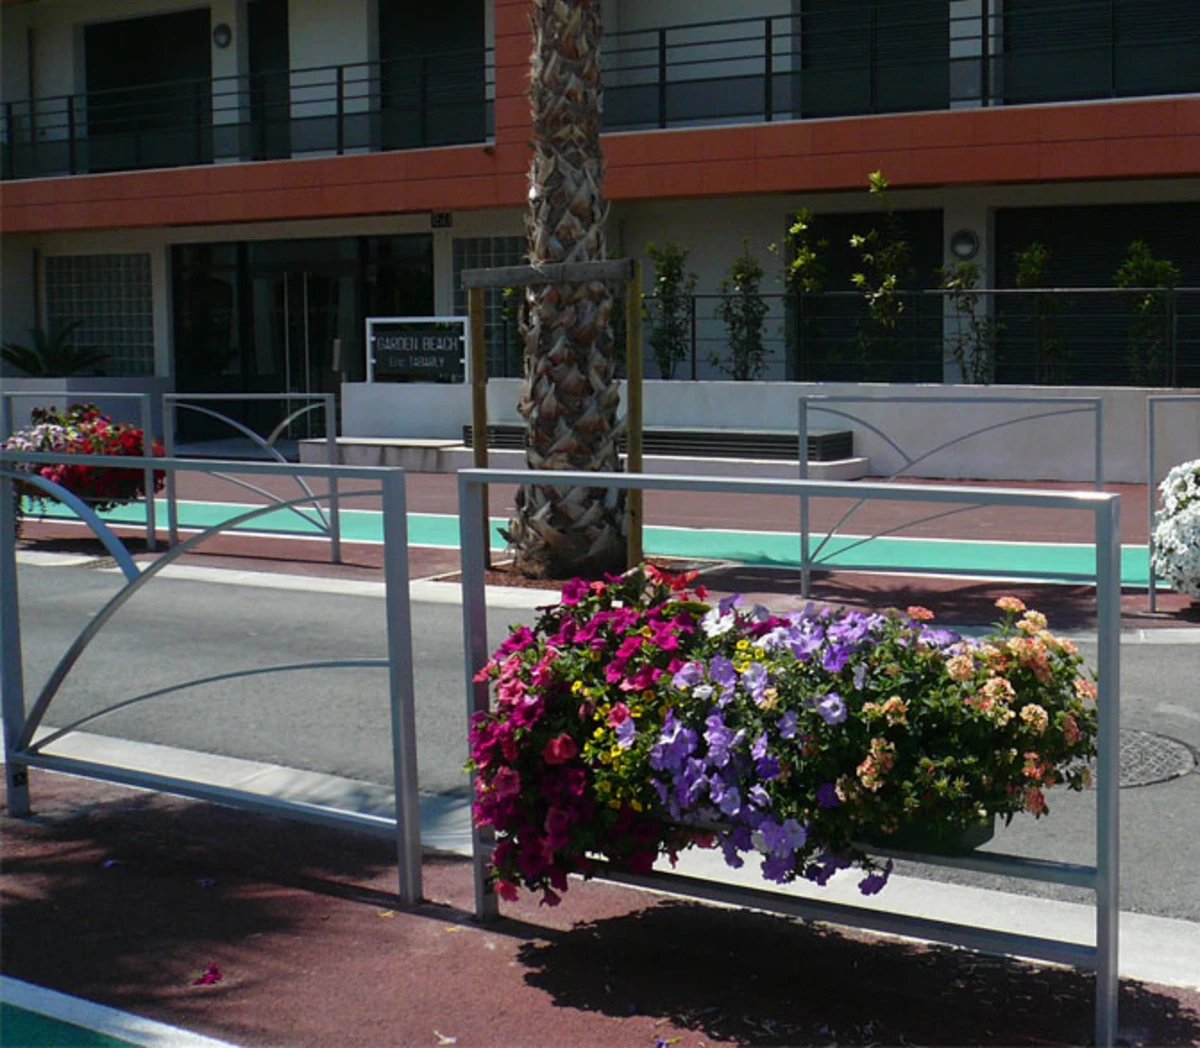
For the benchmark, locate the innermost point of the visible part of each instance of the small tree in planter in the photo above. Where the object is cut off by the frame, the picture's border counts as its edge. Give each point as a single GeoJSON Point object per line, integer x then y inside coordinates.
{"type": "Point", "coordinates": [1151, 282]}
{"type": "Point", "coordinates": [1052, 352]}
{"type": "Point", "coordinates": [1177, 530]}
{"type": "Point", "coordinates": [803, 275]}
{"type": "Point", "coordinates": [743, 311]}
{"type": "Point", "coordinates": [973, 344]}
{"type": "Point", "coordinates": [674, 291]}
{"type": "Point", "coordinates": [886, 267]}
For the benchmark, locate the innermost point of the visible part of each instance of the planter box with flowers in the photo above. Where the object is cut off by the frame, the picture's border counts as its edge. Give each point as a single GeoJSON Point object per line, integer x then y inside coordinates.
{"type": "Point", "coordinates": [1177, 530]}
{"type": "Point", "coordinates": [82, 430]}
{"type": "Point", "coordinates": [635, 720]}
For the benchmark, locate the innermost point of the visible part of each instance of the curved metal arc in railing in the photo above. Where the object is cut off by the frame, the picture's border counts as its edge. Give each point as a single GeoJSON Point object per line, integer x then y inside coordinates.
{"type": "Point", "coordinates": [909, 461]}
{"type": "Point", "coordinates": [110, 608]}
{"type": "Point", "coordinates": [815, 559]}
{"type": "Point", "coordinates": [100, 529]}
{"type": "Point", "coordinates": [268, 445]}
{"type": "Point", "coordinates": [326, 664]}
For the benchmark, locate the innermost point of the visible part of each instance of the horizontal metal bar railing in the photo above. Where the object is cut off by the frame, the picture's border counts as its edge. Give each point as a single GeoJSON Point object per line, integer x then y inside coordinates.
{"type": "Point", "coordinates": [361, 106]}
{"type": "Point", "coordinates": [1102, 878]}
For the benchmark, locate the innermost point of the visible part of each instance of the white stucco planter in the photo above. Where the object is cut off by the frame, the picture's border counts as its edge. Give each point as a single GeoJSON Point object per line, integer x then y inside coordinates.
{"type": "Point", "coordinates": [1060, 448]}
{"type": "Point", "coordinates": [61, 392]}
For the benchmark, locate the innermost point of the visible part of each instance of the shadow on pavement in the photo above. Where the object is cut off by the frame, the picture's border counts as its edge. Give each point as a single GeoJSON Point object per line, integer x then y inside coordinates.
{"type": "Point", "coordinates": [755, 979]}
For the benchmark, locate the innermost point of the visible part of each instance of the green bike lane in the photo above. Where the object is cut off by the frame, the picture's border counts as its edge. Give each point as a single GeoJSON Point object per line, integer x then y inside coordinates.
{"type": "Point", "coordinates": [1032, 561]}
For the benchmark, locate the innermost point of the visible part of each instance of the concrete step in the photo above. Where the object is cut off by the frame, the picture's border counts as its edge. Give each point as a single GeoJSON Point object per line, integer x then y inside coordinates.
{"type": "Point", "coordinates": [448, 456]}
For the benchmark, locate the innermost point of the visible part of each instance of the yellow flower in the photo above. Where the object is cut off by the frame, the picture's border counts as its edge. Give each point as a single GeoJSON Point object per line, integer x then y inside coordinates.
{"type": "Point", "coordinates": [577, 686]}
{"type": "Point", "coordinates": [635, 804]}
{"type": "Point", "coordinates": [743, 644]}
{"type": "Point", "coordinates": [594, 656]}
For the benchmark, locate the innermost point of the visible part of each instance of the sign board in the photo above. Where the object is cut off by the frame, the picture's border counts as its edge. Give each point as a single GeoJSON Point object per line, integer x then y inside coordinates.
{"type": "Point", "coordinates": [417, 349]}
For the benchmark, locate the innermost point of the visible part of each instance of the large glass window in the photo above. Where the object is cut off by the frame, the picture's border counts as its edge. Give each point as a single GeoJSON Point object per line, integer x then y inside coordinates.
{"type": "Point", "coordinates": [112, 298]}
{"type": "Point", "coordinates": [504, 352]}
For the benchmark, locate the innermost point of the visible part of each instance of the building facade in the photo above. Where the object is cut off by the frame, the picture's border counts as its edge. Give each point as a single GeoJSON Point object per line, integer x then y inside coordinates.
{"type": "Point", "coordinates": [223, 193]}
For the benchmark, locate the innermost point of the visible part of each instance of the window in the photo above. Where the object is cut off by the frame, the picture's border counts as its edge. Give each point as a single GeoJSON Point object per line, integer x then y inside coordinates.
{"type": "Point", "coordinates": [504, 353]}
{"type": "Point", "coordinates": [113, 297]}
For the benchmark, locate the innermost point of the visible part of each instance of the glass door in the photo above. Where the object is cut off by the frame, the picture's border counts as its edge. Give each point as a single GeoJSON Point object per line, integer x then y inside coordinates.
{"type": "Point", "coordinates": [308, 320]}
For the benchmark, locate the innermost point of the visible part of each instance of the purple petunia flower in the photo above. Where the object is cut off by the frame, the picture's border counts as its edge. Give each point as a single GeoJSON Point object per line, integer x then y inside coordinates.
{"type": "Point", "coordinates": [759, 796]}
{"type": "Point", "coordinates": [759, 749]}
{"type": "Point", "coordinates": [675, 744]}
{"type": "Point", "coordinates": [626, 730]}
{"type": "Point", "coordinates": [725, 795]}
{"type": "Point", "coordinates": [767, 768]}
{"type": "Point", "coordinates": [874, 883]}
{"type": "Point", "coordinates": [721, 670]}
{"type": "Point", "coordinates": [827, 796]}
{"type": "Point", "coordinates": [832, 709]}
{"type": "Point", "coordinates": [788, 724]}
{"type": "Point", "coordinates": [689, 674]}
{"type": "Point", "coordinates": [755, 680]}
{"type": "Point", "coordinates": [721, 740]}
{"type": "Point", "coordinates": [835, 657]}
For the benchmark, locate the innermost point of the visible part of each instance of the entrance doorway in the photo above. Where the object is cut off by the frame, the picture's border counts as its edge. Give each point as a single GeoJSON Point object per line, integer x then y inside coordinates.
{"type": "Point", "coordinates": [305, 319]}
{"type": "Point", "coordinates": [286, 316]}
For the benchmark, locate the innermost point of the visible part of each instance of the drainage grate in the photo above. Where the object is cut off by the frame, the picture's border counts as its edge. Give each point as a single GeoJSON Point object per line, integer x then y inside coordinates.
{"type": "Point", "coordinates": [1147, 758]}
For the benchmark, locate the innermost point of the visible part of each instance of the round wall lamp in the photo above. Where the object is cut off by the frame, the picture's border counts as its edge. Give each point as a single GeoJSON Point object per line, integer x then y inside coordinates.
{"type": "Point", "coordinates": [964, 245]}
{"type": "Point", "coordinates": [222, 36]}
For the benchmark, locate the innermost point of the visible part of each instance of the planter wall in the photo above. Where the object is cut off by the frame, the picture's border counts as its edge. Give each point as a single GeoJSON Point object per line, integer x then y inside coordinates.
{"type": "Point", "coordinates": [60, 392]}
{"type": "Point", "coordinates": [1059, 448]}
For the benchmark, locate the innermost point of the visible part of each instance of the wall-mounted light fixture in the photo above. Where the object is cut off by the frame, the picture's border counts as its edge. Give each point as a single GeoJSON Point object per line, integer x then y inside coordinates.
{"type": "Point", "coordinates": [964, 245]}
{"type": "Point", "coordinates": [222, 36]}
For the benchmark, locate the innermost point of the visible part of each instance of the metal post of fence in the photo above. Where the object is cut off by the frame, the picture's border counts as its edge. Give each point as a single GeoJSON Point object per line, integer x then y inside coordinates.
{"type": "Point", "coordinates": [341, 110]}
{"type": "Point", "coordinates": [805, 555]}
{"type": "Point", "coordinates": [12, 683]}
{"type": "Point", "coordinates": [148, 474]}
{"type": "Point", "coordinates": [329, 401]}
{"type": "Point", "coordinates": [10, 134]}
{"type": "Point", "coordinates": [479, 422]}
{"type": "Point", "coordinates": [1098, 482]}
{"type": "Point", "coordinates": [71, 166]}
{"type": "Point", "coordinates": [472, 510]}
{"type": "Point", "coordinates": [768, 70]}
{"type": "Point", "coordinates": [1152, 582]}
{"type": "Point", "coordinates": [662, 78]}
{"type": "Point", "coordinates": [1108, 668]}
{"type": "Point", "coordinates": [633, 412]}
{"type": "Point", "coordinates": [168, 420]}
{"type": "Point", "coordinates": [400, 685]}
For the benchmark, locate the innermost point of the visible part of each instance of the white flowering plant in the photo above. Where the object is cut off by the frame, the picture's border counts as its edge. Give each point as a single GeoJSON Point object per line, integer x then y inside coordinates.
{"type": "Point", "coordinates": [1177, 530]}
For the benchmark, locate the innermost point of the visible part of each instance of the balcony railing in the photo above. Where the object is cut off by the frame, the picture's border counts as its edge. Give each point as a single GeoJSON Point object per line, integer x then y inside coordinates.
{"type": "Point", "coordinates": [1051, 336]}
{"type": "Point", "coordinates": [840, 59]}
{"type": "Point", "coordinates": [431, 100]}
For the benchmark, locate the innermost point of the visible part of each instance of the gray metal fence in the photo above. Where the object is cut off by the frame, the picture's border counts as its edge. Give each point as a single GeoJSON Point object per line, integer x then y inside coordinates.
{"type": "Point", "coordinates": [24, 749]}
{"type": "Point", "coordinates": [1101, 877]}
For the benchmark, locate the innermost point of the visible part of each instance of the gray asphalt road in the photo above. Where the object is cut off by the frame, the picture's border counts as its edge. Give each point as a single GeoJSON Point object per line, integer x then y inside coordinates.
{"type": "Point", "coordinates": [174, 631]}
{"type": "Point", "coordinates": [336, 720]}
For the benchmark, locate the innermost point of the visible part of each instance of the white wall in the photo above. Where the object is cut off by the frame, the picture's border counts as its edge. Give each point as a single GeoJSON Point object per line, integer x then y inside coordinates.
{"type": "Point", "coordinates": [1057, 449]}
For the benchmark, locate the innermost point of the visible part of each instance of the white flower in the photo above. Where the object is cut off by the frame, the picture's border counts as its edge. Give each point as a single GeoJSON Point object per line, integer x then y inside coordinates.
{"type": "Point", "coordinates": [1177, 550]}
{"type": "Point", "coordinates": [714, 623]}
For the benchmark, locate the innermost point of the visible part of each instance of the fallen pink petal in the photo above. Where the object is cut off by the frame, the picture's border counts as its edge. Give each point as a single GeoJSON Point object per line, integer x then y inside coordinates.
{"type": "Point", "coordinates": [212, 974]}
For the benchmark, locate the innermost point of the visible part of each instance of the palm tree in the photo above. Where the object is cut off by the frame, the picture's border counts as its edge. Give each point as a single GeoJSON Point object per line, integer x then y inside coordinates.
{"type": "Point", "coordinates": [570, 396]}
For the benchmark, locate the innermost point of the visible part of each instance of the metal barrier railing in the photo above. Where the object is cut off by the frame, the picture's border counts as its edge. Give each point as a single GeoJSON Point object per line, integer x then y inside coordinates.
{"type": "Point", "coordinates": [1152, 403]}
{"type": "Point", "coordinates": [23, 750]}
{"type": "Point", "coordinates": [434, 99]}
{"type": "Point", "coordinates": [1101, 877]}
{"type": "Point", "coordinates": [810, 558]}
{"type": "Point", "coordinates": [329, 523]}
{"type": "Point", "coordinates": [77, 396]}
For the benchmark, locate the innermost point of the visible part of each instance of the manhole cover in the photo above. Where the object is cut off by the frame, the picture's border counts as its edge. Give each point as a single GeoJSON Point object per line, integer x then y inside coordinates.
{"type": "Point", "coordinates": [1148, 758]}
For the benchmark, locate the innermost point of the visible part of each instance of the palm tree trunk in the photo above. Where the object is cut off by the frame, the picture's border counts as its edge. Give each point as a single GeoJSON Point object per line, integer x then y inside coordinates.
{"type": "Point", "coordinates": [570, 395]}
